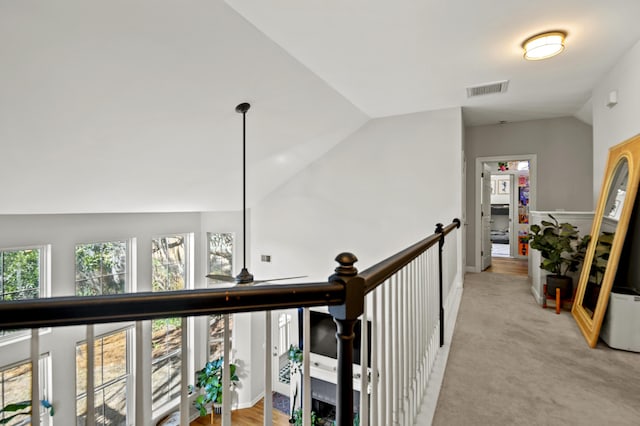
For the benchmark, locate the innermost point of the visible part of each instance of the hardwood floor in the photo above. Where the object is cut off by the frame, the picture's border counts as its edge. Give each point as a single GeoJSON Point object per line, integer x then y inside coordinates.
{"type": "Point", "coordinates": [508, 265]}
{"type": "Point", "coordinates": [245, 417]}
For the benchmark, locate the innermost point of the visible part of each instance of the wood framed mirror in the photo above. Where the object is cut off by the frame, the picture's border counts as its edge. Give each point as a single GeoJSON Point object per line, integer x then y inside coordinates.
{"type": "Point", "coordinates": [608, 232]}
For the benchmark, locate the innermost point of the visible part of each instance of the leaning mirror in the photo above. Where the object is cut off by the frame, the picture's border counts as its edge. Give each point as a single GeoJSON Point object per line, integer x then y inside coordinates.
{"type": "Point", "coordinates": [608, 233]}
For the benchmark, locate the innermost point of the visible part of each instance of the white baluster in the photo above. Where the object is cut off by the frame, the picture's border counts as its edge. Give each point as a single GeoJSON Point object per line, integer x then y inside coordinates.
{"type": "Point", "coordinates": [364, 365]}
{"type": "Point", "coordinates": [184, 373]}
{"type": "Point", "coordinates": [35, 376]}
{"type": "Point", "coordinates": [404, 345]}
{"type": "Point", "coordinates": [268, 399]}
{"type": "Point", "coordinates": [397, 396]}
{"type": "Point", "coordinates": [384, 390]}
{"type": "Point", "coordinates": [306, 368]}
{"type": "Point", "coordinates": [375, 345]}
{"type": "Point", "coordinates": [91, 405]}
{"type": "Point", "coordinates": [226, 382]}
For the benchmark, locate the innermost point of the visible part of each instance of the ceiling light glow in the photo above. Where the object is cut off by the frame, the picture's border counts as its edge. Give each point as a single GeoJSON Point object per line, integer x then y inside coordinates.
{"type": "Point", "coordinates": [543, 46]}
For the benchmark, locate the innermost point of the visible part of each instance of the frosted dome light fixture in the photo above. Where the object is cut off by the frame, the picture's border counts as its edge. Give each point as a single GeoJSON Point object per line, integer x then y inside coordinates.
{"type": "Point", "coordinates": [544, 45]}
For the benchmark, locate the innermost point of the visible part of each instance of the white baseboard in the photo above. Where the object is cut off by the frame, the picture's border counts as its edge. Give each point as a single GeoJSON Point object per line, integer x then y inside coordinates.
{"type": "Point", "coordinates": [470, 269]}
{"type": "Point", "coordinates": [249, 404]}
{"type": "Point", "coordinates": [536, 295]}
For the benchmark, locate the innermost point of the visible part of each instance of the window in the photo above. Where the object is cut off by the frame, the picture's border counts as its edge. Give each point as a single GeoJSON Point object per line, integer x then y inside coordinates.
{"type": "Point", "coordinates": [101, 268]}
{"type": "Point", "coordinates": [21, 275]}
{"type": "Point", "coordinates": [111, 379]}
{"type": "Point", "coordinates": [220, 256]}
{"type": "Point", "coordinates": [15, 386]}
{"type": "Point", "coordinates": [220, 253]}
{"type": "Point", "coordinates": [169, 273]}
{"type": "Point", "coordinates": [216, 335]}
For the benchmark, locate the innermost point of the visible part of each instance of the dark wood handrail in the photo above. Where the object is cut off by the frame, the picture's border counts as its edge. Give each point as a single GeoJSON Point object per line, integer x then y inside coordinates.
{"type": "Point", "coordinates": [75, 310]}
{"type": "Point", "coordinates": [382, 271]}
{"type": "Point", "coordinates": [344, 293]}
{"type": "Point", "coordinates": [455, 224]}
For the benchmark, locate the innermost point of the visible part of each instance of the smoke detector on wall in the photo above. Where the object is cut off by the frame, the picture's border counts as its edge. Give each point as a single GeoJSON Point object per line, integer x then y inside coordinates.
{"type": "Point", "coordinates": [487, 88]}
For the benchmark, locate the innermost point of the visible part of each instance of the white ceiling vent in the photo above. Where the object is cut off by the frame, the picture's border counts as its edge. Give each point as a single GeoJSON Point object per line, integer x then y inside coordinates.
{"type": "Point", "coordinates": [488, 88]}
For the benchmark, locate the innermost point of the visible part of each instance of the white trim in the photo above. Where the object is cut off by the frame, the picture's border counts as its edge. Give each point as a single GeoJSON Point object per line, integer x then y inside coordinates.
{"type": "Point", "coordinates": [306, 368]}
{"type": "Point", "coordinates": [132, 264]}
{"type": "Point", "coordinates": [91, 391]}
{"type": "Point", "coordinates": [268, 373]}
{"type": "Point", "coordinates": [533, 183]}
{"type": "Point", "coordinates": [44, 290]}
{"type": "Point", "coordinates": [428, 406]}
{"type": "Point", "coordinates": [184, 372]}
{"type": "Point", "coordinates": [249, 404]}
{"type": "Point", "coordinates": [536, 294]}
{"type": "Point", "coordinates": [35, 377]}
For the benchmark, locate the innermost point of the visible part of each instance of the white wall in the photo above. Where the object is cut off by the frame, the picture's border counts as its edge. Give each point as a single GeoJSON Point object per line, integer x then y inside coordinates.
{"type": "Point", "coordinates": [564, 163]}
{"type": "Point", "coordinates": [378, 191]}
{"type": "Point", "coordinates": [381, 189]}
{"type": "Point", "coordinates": [614, 125]}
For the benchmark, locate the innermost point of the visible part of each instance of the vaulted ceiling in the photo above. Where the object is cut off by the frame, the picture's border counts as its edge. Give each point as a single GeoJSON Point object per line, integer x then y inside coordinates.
{"type": "Point", "coordinates": [127, 105]}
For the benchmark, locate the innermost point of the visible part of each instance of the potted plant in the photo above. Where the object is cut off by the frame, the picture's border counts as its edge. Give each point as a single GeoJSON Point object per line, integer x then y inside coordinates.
{"type": "Point", "coordinates": [209, 381]}
{"type": "Point", "coordinates": [562, 251]}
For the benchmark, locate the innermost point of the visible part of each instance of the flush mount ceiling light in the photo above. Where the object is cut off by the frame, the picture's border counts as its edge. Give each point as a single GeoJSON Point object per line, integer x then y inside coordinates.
{"type": "Point", "coordinates": [544, 45]}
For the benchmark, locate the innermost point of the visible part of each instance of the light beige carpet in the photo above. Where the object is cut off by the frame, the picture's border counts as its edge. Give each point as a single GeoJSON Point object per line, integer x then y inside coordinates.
{"type": "Point", "coordinates": [514, 363]}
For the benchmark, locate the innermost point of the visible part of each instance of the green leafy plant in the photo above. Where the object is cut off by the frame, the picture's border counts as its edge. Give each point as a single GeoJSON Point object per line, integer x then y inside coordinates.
{"type": "Point", "coordinates": [295, 358]}
{"type": "Point", "coordinates": [297, 418]}
{"type": "Point", "coordinates": [560, 246]}
{"type": "Point", "coordinates": [356, 420]}
{"type": "Point", "coordinates": [19, 409]}
{"type": "Point", "coordinates": [209, 380]}
{"type": "Point", "coordinates": [601, 257]}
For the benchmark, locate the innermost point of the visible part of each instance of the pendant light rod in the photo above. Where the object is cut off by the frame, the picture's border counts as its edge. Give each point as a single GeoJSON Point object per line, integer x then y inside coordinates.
{"type": "Point", "coordinates": [244, 276]}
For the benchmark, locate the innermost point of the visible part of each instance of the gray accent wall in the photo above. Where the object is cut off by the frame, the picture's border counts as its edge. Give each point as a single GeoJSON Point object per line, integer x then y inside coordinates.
{"type": "Point", "coordinates": [564, 150]}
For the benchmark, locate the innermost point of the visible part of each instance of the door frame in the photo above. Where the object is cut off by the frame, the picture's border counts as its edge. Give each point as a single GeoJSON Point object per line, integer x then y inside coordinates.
{"type": "Point", "coordinates": [533, 184]}
{"type": "Point", "coordinates": [485, 215]}
{"type": "Point", "coordinates": [275, 346]}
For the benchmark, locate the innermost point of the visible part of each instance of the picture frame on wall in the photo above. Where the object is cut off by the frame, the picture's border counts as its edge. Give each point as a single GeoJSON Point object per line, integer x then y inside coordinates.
{"type": "Point", "coordinates": [503, 186]}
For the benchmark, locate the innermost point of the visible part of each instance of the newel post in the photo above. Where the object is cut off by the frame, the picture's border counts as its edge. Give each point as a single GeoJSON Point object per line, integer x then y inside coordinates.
{"type": "Point", "coordinates": [345, 317]}
{"type": "Point", "coordinates": [440, 230]}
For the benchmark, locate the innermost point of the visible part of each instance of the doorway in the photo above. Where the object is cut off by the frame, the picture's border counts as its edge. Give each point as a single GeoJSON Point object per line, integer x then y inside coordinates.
{"type": "Point", "coordinates": [283, 334]}
{"type": "Point", "coordinates": [505, 196]}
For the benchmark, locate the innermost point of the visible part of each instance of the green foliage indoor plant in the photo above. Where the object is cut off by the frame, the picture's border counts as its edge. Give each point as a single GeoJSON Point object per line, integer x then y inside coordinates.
{"type": "Point", "coordinates": [209, 381]}
{"type": "Point", "coordinates": [22, 409]}
{"type": "Point", "coordinates": [562, 251]}
{"type": "Point", "coordinates": [597, 270]}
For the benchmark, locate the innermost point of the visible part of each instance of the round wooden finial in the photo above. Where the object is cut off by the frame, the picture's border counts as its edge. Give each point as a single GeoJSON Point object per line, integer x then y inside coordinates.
{"type": "Point", "coordinates": [346, 261]}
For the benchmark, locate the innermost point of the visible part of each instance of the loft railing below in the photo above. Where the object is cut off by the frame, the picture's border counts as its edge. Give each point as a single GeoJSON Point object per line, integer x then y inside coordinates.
{"type": "Point", "coordinates": [403, 296]}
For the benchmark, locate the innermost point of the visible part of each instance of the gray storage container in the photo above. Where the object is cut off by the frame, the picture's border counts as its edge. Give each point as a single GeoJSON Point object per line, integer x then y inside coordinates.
{"type": "Point", "coordinates": [621, 325]}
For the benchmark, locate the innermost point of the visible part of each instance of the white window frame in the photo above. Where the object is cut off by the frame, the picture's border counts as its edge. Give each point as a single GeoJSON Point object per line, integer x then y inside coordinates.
{"type": "Point", "coordinates": [129, 376]}
{"type": "Point", "coordinates": [129, 258]}
{"type": "Point", "coordinates": [44, 289]}
{"type": "Point", "coordinates": [185, 355]}
{"type": "Point", "coordinates": [210, 341]}
{"type": "Point", "coordinates": [44, 369]}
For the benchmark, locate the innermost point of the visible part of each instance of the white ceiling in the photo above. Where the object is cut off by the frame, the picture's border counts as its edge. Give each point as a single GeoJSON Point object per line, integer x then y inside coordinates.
{"type": "Point", "coordinates": [396, 57]}
{"type": "Point", "coordinates": [127, 105]}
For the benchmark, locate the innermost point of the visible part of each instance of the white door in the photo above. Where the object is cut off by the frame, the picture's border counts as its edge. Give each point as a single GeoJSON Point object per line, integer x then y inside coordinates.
{"type": "Point", "coordinates": [485, 216]}
{"type": "Point", "coordinates": [283, 335]}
